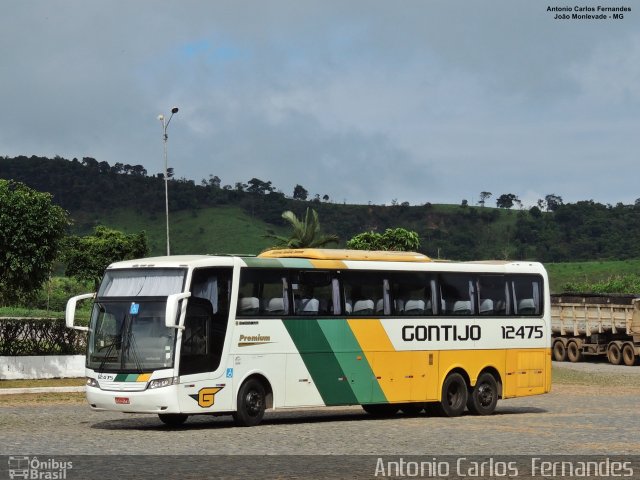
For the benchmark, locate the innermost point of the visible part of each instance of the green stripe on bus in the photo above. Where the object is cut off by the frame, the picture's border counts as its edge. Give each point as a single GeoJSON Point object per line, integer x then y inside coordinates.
{"type": "Point", "coordinates": [296, 263]}
{"type": "Point", "coordinates": [121, 377]}
{"type": "Point", "coordinates": [352, 361]}
{"type": "Point", "coordinates": [323, 366]}
{"type": "Point", "coordinates": [278, 262]}
{"type": "Point", "coordinates": [262, 262]}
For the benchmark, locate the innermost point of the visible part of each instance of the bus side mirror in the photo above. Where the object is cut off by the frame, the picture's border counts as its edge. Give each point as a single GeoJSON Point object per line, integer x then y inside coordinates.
{"type": "Point", "coordinates": [171, 315]}
{"type": "Point", "coordinates": [70, 311]}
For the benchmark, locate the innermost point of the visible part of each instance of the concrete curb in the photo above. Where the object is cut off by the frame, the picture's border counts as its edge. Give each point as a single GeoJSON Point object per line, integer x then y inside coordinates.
{"type": "Point", "coordinates": [15, 391]}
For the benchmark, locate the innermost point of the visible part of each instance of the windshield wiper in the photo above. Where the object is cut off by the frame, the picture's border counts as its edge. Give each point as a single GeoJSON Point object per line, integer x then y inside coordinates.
{"type": "Point", "coordinates": [130, 347]}
{"type": "Point", "coordinates": [106, 356]}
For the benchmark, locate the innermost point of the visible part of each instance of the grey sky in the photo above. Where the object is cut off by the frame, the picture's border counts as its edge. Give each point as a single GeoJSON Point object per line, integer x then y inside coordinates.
{"type": "Point", "coordinates": [419, 101]}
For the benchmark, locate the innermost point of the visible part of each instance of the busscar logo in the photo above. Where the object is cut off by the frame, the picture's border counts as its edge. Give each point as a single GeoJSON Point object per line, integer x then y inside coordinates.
{"type": "Point", "coordinates": [27, 467]}
{"type": "Point", "coordinates": [251, 340]}
{"type": "Point", "coordinates": [206, 397]}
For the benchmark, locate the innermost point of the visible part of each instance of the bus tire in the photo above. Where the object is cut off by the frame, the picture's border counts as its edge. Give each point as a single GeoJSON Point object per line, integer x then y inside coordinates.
{"type": "Point", "coordinates": [252, 400]}
{"type": "Point", "coordinates": [483, 398]}
{"type": "Point", "coordinates": [629, 355]}
{"type": "Point", "coordinates": [381, 409]}
{"type": "Point", "coordinates": [173, 419]}
{"type": "Point", "coordinates": [614, 354]}
{"type": "Point", "coordinates": [574, 354]}
{"type": "Point", "coordinates": [454, 396]}
{"type": "Point", "coordinates": [559, 351]}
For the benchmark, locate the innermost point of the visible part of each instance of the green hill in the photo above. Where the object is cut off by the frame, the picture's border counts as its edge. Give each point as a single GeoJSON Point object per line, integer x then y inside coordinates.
{"type": "Point", "coordinates": [204, 231]}
{"type": "Point", "coordinates": [208, 217]}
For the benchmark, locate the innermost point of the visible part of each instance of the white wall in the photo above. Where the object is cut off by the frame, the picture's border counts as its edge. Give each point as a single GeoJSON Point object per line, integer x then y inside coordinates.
{"type": "Point", "coordinates": [45, 366]}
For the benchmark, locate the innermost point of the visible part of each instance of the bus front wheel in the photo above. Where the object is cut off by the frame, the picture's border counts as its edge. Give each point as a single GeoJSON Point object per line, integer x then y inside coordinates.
{"type": "Point", "coordinates": [454, 396]}
{"type": "Point", "coordinates": [483, 398]}
{"type": "Point", "coordinates": [251, 403]}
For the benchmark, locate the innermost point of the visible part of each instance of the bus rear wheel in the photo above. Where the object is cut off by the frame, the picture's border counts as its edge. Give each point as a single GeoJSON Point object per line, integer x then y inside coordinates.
{"type": "Point", "coordinates": [484, 396]}
{"type": "Point", "coordinates": [454, 396]}
{"type": "Point", "coordinates": [173, 419]}
{"type": "Point", "coordinates": [252, 399]}
{"type": "Point", "coordinates": [629, 355]}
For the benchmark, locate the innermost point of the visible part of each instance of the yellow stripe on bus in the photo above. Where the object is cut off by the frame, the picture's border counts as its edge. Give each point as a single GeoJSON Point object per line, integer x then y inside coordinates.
{"type": "Point", "coordinates": [417, 375]}
{"type": "Point", "coordinates": [402, 376]}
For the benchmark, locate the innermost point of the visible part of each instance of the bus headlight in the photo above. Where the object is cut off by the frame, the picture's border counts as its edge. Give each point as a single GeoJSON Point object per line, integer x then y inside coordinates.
{"type": "Point", "coordinates": [92, 382]}
{"type": "Point", "coordinates": [163, 382]}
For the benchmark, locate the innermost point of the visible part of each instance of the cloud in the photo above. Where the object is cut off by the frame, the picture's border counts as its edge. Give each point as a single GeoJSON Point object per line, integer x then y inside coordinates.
{"type": "Point", "coordinates": [364, 101]}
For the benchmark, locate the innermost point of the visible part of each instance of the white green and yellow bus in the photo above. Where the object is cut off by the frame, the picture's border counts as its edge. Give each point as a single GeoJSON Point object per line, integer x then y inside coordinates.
{"type": "Point", "coordinates": [391, 331]}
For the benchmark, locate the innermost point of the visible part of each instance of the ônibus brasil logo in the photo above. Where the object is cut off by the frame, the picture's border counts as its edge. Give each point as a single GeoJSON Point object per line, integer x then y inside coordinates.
{"type": "Point", "coordinates": [34, 468]}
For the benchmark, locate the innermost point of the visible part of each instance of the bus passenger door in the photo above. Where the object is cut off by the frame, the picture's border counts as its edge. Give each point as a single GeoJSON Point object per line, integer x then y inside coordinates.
{"type": "Point", "coordinates": [203, 386]}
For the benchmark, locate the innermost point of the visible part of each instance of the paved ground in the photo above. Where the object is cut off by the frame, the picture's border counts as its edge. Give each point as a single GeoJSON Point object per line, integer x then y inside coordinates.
{"type": "Point", "coordinates": [573, 420]}
{"type": "Point", "coordinates": [570, 420]}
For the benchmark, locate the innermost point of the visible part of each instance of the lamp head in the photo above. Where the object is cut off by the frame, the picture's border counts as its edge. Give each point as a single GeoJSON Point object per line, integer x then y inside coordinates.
{"type": "Point", "coordinates": [160, 117]}
{"type": "Point", "coordinates": [174, 110]}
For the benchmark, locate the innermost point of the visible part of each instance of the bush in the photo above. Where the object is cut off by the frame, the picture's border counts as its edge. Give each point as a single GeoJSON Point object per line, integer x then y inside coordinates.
{"type": "Point", "coordinates": [39, 337]}
{"type": "Point", "coordinates": [618, 284]}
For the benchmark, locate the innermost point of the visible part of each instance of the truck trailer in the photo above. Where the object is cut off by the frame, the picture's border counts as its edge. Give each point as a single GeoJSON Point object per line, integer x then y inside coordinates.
{"type": "Point", "coordinates": [591, 325]}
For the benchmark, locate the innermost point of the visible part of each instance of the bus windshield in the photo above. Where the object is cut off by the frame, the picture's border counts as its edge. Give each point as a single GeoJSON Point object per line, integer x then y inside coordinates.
{"type": "Point", "coordinates": [130, 336]}
{"type": "Point", "coordinates": [127, 329]}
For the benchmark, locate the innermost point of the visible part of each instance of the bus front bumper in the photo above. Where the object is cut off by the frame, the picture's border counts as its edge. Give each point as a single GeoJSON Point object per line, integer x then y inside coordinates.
{"type": "Point", "coordinates": [159, 400]}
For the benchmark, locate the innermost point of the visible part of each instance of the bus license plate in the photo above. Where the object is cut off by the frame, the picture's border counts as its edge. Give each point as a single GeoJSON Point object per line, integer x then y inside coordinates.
{"type": "Point", "coordinates": [122, 400]}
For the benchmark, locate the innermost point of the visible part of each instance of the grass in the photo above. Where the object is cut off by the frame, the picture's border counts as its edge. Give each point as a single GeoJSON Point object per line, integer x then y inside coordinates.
{"type": "Point", "coordinates": [48, 382]}
{"type": "Point", "coordinates": [566, 376]}
{"type": "Point", "coordinates": [589, 272]}
{"type": "Point", "coordinates": [210, 230]}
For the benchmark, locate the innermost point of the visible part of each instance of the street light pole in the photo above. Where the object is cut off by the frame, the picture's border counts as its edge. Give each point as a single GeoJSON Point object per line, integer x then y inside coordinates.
{"type": "Point", "coordinates": [165, 137]}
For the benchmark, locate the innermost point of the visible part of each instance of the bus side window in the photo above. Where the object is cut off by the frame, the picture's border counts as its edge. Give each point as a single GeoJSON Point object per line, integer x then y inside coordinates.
{"type": "Point", "coordinates": [457, 294]}
{"type": "Point", "coordinates": [364, 293]}
{"type": "Point", "coordinates": [491, 295]}
{"type": "Point", "coordinates": [525, 290]}
{"type": "Point", "coordinates": [411, 294]}
{"type": "Point", "coordinates": [315, 292]}
{"type": "Point", "coordinates": [263, 292]}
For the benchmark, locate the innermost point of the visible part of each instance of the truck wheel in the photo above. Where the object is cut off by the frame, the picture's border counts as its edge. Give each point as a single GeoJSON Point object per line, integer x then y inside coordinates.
{"type": "Point", "coordinates": [454, 396]}
{"type": "Point", "coordinates": [614, 354]}
{"type": "Point", "coordinates": [574, 354]}
{"type": "Point", "coordinates": [484, 396]}
{"type": "Point", "coordinates": [629, 355]}
{"type": "Point", "coordinates": [251, 403]}
{"type": "Point", "coordinates": [559, 351]}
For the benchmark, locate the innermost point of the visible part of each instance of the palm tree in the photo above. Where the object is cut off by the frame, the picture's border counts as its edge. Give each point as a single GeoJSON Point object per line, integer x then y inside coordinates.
{"type": "Point", "coordinates": [305, 234]}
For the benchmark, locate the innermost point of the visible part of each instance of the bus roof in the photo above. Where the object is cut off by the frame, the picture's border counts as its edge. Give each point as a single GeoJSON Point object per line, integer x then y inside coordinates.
{"type": "Point", "coordinates": [338, 254]}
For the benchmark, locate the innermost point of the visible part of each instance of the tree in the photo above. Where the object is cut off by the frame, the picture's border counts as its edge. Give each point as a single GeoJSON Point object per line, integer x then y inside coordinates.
{"type": "Point", "coordinates": [394, 239]}
{"type": "Point", "coordinates": [483, 198]}
{"type": "Point", "coordinates": [31, 229]}
{"type": "Point", "coordinates": [553, 202]}
{"type": "Point", "coordinates": [300, 193]}
{"type": "Point", "coordinates": [86, 258]}
{"type": "Point", "coordinates": [255, 185]}
{"type": "Point", "coordinates": [305, 233]}
{"type": "Point", "coordinates": [506, 200]}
